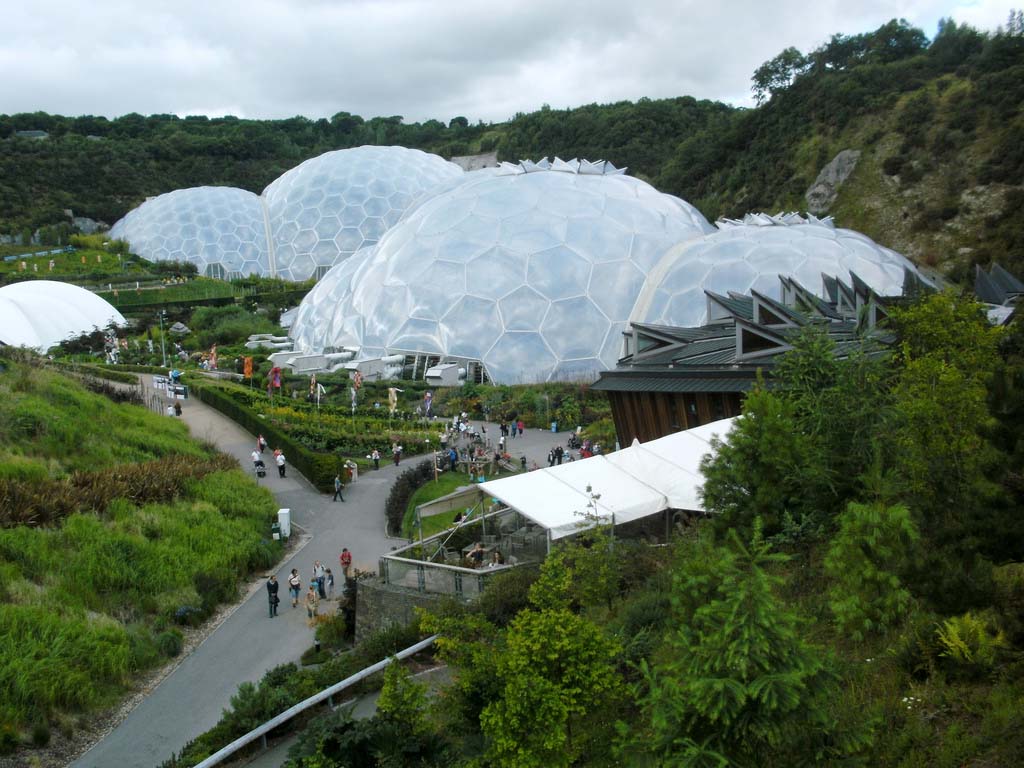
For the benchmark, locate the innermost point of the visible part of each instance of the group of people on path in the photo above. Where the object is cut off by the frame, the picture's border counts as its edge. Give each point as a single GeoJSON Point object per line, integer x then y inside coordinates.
{"type": "Point", "coordinates": [321, 586]}
{"type": "Point", "coordinates": [279, 458]}
{"type": "Point", "coordinates": [509, 429]}
{"type": "Point", "coordinates": [556, 454]}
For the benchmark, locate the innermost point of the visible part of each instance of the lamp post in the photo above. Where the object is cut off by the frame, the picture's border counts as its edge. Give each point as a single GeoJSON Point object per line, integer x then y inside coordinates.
{"type": "Point", "coordinates": [163, 345]}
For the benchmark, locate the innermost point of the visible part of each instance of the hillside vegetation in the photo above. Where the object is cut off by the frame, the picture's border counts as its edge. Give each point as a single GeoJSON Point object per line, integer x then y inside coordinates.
{"type": "Point", "coordinates": [939, 124]}
{"type": "Point", "coordinates": [116, 530]}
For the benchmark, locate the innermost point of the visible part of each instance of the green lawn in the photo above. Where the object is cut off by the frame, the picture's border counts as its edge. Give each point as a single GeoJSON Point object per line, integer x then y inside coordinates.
{"type": "Point", "coordinates": [196, 288]}
{"type": "Point", "coordinates": [447, 482]}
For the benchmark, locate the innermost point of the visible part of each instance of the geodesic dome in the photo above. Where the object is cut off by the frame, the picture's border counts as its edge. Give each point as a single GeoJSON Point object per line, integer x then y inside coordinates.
{"type": "Point", "coordinates": [327, 208]}
{"type": "Point", "coordinates": [42, 313]}
{"type": "Point", "coordinates": [219, 229]}
{"type": "Point", "coordinates": [320, 315]}
{"type": "Point", "coordinates": [751, 254]}
{"type": "Point", "coordinates": [532, 270]}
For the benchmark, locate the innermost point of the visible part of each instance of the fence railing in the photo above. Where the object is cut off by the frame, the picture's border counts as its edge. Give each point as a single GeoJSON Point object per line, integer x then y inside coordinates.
{"type": "Point", "coordinates": [327, 695]}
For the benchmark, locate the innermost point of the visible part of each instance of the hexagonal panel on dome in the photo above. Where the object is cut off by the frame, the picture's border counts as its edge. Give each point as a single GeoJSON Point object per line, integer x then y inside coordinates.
{"type": "Point", "coordinates": [520, 358]}
{"type": "Point", "coordinates": [362, 188]}
{"type": "Point", "coordinates": [219, 229]}
{"type": "Point", "coordinates": [752, 254]}
{"type": "Point", "coordinates": [547, 277]}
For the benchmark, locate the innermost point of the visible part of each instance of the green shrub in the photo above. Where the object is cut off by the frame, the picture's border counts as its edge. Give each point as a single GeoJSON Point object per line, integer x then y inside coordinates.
{"type": "Point", "coordinates": [863, 559]}
{"type": "Point", "coordinates": [970, 643]}
{"type": "Point", "coordinates": [1009, 596]}
{"type": "Point", "coordinates": [40, 735]}
{"type": "Point", "coordinates": [333, 632]}
{"type": "Point", "coordinates": [313, 656]}
{"type": "Point", "coordinates": [170, 642]}
{"type": "Point", "coordinates": [215, 587]}
{"type": "Point", "coordinates": [506, 595]}
{"type": "Point", "coordinates": [143, 649]}
{"type": "Point", "coordinates": [402, 489]}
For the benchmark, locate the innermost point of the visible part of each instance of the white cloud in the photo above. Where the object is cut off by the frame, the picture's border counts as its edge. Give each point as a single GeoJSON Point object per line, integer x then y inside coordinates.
{"type": "Point", "coordinates": [417, 58]}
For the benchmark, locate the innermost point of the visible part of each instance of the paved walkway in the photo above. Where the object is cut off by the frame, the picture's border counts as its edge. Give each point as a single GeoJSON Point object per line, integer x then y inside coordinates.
{"type": "Point", "coordinates": [248, 643]}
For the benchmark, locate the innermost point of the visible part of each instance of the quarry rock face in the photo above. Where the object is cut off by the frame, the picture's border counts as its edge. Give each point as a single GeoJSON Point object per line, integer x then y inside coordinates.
{"type": "Point", "coordinates": [822, 193]}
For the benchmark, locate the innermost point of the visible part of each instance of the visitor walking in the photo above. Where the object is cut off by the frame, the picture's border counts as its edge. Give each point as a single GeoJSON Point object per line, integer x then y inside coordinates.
{"type": "Point", "coordinates": [337, 488]}
{"type": "Point", "coordinates": [177, 409]}
{"type": "Point", "coordinates": [520, 426]}
{"type": "Point", "coordinates": [312, 605]}
{"type": "Point", "coordinates": [279, 458]}
{"type": "Point", "coordinates": [320, 578]}
{"type": "Point", "coordinates": [330, 584]}
{"type": "Point", "coordinates": [261, 443]}
{"type": "Point", "coordinates": [346, 561]}
{"type": "Point", "coordinates": [294, 586]}
{"type": "Point", "coordinates": [272, 597]}
{"type": "Point", "coordinates": [396, 451]}
{"type": "Point", "coordinates": [376, 458]}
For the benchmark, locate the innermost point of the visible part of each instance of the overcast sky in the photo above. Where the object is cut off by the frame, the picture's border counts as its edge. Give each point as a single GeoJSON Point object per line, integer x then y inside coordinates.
{"type": "Point", "coordinates": [417, 58]}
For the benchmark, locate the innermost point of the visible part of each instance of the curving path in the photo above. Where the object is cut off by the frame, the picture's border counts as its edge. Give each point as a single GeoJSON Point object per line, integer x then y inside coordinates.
{"type": "Point", "coordinates": [191, 698]}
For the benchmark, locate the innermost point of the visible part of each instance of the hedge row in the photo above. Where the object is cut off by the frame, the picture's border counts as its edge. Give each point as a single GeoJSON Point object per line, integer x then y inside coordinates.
{"type": "Point", "coordinates": [406, 484]}
{"type": "Point", "coordinates": [318, 468]}
{"type": "Point", "coordinates": [99, 371]}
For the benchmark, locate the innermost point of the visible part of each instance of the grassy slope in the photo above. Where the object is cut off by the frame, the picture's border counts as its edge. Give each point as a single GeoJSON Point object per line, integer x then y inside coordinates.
{"type": "Point", "coordinates": [447, 482]}
{"type": "Point", "coordinates": [85, 605]}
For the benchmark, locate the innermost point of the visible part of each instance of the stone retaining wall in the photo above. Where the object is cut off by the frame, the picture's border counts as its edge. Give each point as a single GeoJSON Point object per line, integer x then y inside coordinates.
{"type": "Point", "coordinates": [379, 605]}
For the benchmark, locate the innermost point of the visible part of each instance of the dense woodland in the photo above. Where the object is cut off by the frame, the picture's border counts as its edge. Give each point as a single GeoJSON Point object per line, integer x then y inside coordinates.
{"type": "Point", "coordinates": [939, 122]}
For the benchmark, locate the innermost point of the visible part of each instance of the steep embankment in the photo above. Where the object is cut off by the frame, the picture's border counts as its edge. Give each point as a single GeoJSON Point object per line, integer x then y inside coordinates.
{"type": "Point", "coordinates": [116, 530]}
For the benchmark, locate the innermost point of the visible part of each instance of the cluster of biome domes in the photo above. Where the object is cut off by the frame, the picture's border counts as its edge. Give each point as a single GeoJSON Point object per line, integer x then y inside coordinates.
{"type": "Point", "coordinates": [530, 271]}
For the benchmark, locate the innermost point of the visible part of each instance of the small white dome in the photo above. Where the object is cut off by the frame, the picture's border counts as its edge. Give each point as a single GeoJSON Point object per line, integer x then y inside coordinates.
{"type": "Point", "coordinates": [41, 313]}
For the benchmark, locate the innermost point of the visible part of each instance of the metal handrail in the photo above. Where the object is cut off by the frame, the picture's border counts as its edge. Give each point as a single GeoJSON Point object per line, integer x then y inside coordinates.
{"type": "Point", "coordinates": [261, 732]}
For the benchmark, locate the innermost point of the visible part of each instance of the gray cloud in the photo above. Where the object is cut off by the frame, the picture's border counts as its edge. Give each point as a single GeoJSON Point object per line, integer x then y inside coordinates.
{"type": "Point", "coordinates": [418, 58]}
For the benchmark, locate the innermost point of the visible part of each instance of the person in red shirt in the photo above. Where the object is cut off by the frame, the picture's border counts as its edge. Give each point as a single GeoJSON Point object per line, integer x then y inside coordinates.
{"type": "Point", "coordinates": [346, 561]}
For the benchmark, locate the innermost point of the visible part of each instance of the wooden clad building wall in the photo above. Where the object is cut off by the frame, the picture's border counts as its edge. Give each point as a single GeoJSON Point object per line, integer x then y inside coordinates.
{"type": "Point", "coordinates": [650, 415]}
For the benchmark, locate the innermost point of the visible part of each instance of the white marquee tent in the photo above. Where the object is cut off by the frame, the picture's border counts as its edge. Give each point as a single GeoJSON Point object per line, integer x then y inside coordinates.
{"type": "Point", "coordinates": [641, 480]}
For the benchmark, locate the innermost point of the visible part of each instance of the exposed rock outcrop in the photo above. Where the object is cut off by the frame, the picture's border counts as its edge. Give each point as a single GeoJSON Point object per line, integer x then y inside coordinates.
{"type": "Point", "coordinates": [822, 193]}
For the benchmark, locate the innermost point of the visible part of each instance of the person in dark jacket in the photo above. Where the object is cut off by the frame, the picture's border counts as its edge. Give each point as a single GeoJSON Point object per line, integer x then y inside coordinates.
{"type": "Point", "coordinates": [272, 597]}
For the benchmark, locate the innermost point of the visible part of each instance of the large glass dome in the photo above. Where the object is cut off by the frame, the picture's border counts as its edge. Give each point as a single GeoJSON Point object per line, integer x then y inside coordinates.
{"type": "Point", "coordinates": [327, 208]}
{"type": "Point", "coordinates": [39, 314]}
{"type": "Point", "coordinates": [751, 254]}
{"type": "Point", "coordinates": [219, 229]}
{"type": "Point", "coordinates": [321, 315]}
{"type": "Point", "coordinates": [532, 270]}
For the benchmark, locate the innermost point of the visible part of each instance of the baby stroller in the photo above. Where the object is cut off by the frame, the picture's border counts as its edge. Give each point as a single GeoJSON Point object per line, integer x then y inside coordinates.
{"type": "Point", "coordinates": [261, 468]}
